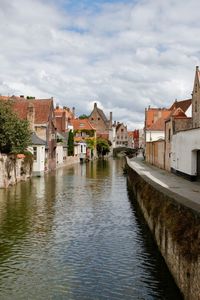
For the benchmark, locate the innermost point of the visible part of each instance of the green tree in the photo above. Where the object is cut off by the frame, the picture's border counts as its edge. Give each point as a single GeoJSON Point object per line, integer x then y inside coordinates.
{"type": "Point", "coordinates": [103, 147]}
{"type": "Point", "coordinates": [71, 143]}
{"type": "Point", "coordinates": [14, 133]}
{"type": "Point", "coordinates": [83, 116]}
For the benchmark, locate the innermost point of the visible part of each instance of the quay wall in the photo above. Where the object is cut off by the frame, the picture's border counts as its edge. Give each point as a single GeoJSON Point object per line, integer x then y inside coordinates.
{"type": "Point", "coordinates": [13, 169]}
{"type": "Point", "coordinates": [176, 229]}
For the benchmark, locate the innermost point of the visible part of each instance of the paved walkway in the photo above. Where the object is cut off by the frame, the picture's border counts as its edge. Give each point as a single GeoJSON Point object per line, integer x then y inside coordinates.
{"type": "Point", "coordinates": [188, 191]}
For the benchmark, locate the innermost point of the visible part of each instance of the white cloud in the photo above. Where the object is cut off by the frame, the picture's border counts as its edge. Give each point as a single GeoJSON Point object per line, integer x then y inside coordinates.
{"type": "Point", "coordinates": [122, 56]}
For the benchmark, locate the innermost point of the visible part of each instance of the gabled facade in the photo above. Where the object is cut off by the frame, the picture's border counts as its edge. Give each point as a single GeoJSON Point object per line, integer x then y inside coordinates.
{"type": "Point", "coordinates": [121, 135]}
{"type": "Point", "coordinates": [99, 121]}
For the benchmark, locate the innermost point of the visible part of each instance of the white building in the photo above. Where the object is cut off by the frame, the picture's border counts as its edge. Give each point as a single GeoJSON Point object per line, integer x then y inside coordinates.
{"type": "Point", "coordinates": [80, 150]}
{"type": "Point", "coordinates": [38, 150]}
{"type": "Point", "coordinates": [185, 156]}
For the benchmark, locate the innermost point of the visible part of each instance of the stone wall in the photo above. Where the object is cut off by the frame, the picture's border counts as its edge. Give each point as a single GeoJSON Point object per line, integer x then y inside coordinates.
{"type": "Point", "coordinates": [13, 170]}
{"type": "Point", "coordinates": [176, 230]}
{"type": "Point", "coordinates": [182, 124]}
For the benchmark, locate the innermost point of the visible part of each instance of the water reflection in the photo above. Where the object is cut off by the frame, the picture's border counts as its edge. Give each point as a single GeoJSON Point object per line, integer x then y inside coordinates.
{"type": "Point", "coordinates": [74, 234]}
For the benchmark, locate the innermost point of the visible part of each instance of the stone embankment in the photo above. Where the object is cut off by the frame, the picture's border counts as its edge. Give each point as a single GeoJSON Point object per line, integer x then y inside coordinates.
{"type": "Point", "coordinates": [14, 169]}
{"type": "Point", "coordinates": [171, 207]}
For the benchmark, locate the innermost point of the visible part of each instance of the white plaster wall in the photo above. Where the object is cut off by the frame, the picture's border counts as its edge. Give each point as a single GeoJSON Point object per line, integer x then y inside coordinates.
{"type": "Point", "coordinates": [184, 147]}
{"type": "Point", "coordinates": [38, 165]}
{"type": "Point", "coordinates": [189, 111]}
{"type": "Point", "coordinates": [152, 136]}
{"type": "Point", "coordinates": [78, 148]}
{"type": "Point", "coordinates": [112, 136]}
{"type": "Point", "coordinates": [59, 154]}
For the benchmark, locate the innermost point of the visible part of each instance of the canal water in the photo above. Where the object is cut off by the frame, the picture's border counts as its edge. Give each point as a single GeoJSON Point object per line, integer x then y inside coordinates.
{"type": "Point", "coordinates": [76, 234]}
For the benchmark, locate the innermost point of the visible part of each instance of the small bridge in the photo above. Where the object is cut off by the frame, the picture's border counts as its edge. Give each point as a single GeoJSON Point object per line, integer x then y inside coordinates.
{"type": "Point", "coordinates": [123, 151]}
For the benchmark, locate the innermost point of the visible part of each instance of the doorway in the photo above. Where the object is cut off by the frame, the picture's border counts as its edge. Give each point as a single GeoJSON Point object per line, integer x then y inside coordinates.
{"type": "Point", "coordinates": [198, 165]}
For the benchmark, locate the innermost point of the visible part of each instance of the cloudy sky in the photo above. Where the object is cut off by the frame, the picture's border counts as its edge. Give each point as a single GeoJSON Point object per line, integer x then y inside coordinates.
{"type": "Point", "coordinates": [124, 55]}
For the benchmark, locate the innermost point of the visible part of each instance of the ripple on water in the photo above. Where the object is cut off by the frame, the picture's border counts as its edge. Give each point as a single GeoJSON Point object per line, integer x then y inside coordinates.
{"type": "Point", "coordinates": [75, 235]}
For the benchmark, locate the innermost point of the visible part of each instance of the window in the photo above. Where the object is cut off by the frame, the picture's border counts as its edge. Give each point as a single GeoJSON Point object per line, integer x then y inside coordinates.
{"type": "Point", "coordinates": [92, 119]}
{"type": "Point", "coordinates": [169, 134]}
{"type": "Point", "coordinates": [35, 153]}
{"type": "Point", "coordinates": [122, 130]}
{"type": "Point", "coordinates": [81, 148]}
{"type": "Point", "coordinates": [195, 106]}
{"type": "Point", "coordinates": [98, 119]}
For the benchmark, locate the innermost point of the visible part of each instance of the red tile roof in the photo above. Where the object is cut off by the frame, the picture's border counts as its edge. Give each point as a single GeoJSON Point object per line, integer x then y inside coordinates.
{"type": "Point", "coordinates": [130, 133]}
{"type": "Point", "coordinates": [79, 124]}
{"type": "Point", "coordinates": [179, 113]}
{"type": "Point", "coordinates": [153, 115]}
{"type": "Point", "coordinates": [42, 107]}
{"type": "Point", "coordinates": [183, 104]}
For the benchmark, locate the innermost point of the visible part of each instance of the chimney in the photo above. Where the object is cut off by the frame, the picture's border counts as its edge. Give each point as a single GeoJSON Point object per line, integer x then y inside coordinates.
{"type": "Point", "coordinates": [197, 68]}
{"type": "Point", "coordinates": [31, 116]}
{"type": "Point", "coordinates": [63, 122]}
{"type": "Point", "coordinates": [111, 119]}
{"type": "Point", "coordinates": [73, 111]}
{"type": "Point", "coordinates": [95, 105]}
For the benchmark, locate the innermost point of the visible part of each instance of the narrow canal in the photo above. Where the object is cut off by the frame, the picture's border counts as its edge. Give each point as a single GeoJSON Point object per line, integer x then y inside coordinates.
{"type": "Point", "coordinates": [74, 235]}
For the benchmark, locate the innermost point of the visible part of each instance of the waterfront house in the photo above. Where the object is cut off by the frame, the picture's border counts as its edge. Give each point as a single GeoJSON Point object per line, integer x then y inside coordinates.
{"type": "Point", "coordinates": [40, 114]}
{"type": "Point", "coordinates": [84, 138]}
{"type": "Point", "coordinates": [37, 148]}
{"type": "Point", "coordinates": [185, 148]}
{"type": "Point", "coordinates": [121, 135]}
{"type": "Point", "coordinates": [99, 121]}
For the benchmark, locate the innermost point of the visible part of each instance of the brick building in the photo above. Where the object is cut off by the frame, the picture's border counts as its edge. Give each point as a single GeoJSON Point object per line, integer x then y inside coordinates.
{"type": "Point", "coordinates": [100, 122]}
